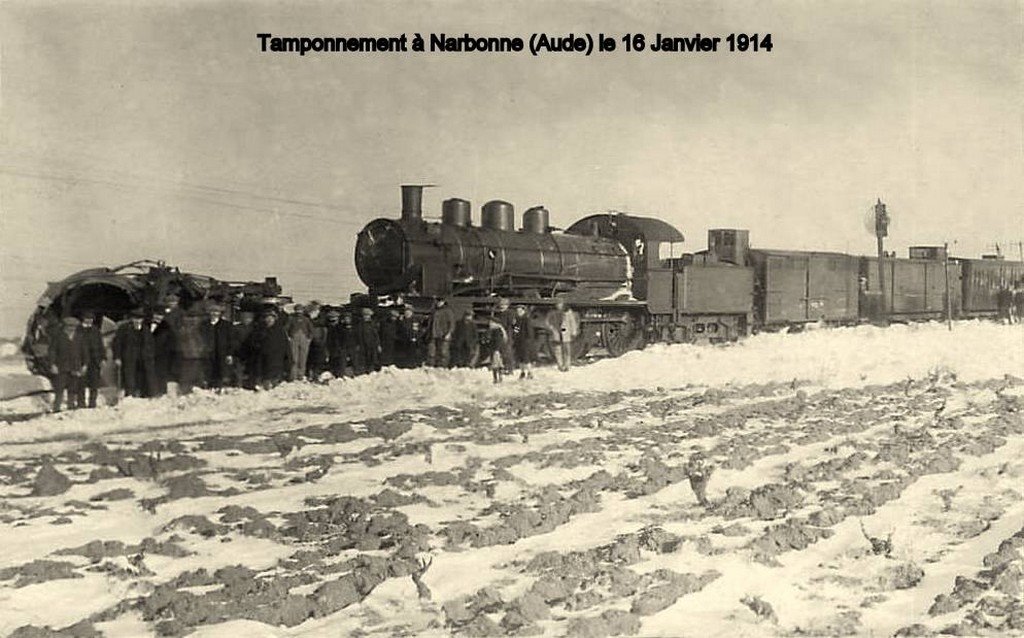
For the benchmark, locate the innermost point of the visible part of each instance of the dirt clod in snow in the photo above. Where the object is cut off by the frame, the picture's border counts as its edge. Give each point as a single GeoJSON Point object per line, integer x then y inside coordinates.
{"type": "Point", "coordinates": [613, 622]}
{"type": "Point", "coordinates": [902, 576]}
{"type": "Point", "coordinates": [120, 494]}
{"type": "Point", "coordinates": [81, 629]}
{"type": "Point", "coordinates": [39, 571]}
{"type": "Point", "coordinates": [50, 482]}
{"type": "Point", "coordinates": [761, 608]}
{"type": "Point", "coordinates": [786, 536]}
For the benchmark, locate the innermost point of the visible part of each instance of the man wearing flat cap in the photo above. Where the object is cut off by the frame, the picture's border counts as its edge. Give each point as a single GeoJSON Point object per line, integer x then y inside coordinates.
{"type": "Point", "coordinates": [68, 359]}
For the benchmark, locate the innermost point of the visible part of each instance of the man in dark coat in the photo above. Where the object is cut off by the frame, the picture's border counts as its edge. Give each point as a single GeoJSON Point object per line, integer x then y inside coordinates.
{"type": "Point", "coordinates": [494, 342]}
{"type": "Point", "coordinates": [388, 337]}
{"type": "Point", "coordinates": [163, 352]}
{"type": "Point", "coordinates": [1004, 303]}
{"type": "Point", "coordinates": [316, 360]}
{"type": "Point", "coordinates": [96, 353]}
{"type": "Point", "coordinates": [410, 341]}
{"type": "Point", "coordinates": [353, 346]}
{"type": "Point", "coordinates": [192, 353]}
{"type": "Point", "coordinates": [369, 341]}
{"type": "Point", "coordinates": [335, 344]}
{"type": "Point", "coordinates": [244, 347]}
{"type": "Point", "coordinates": [173, 314]}
{"type": "Point", "coordinates": [68, 358]}
{"type": "Point", "coordinates": [133, 354]}
{"type": "Point", "coordinates": [217, 332]}
{"type": "Point", "coordinates": [466, 342]}
{"type": "Point", "coordinates": [442, 325]}
{"type": "Point", "coordinates": [524, 342]}
{"type": "Point", "coordinates": [1018, 302]}
{"type": "Point", "coordinates": [274, 352]}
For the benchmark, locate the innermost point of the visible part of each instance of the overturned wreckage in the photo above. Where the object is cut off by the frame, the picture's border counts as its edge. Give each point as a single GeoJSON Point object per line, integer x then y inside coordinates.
{"type": "Point", "coordinates": [112, 293]}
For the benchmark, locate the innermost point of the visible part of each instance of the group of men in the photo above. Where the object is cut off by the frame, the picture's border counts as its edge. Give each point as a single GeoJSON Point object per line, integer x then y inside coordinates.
{"type": "Point", "coordinates": [201, 348]}
{"type": "Point", "coordinates": [509, 342]}
{"type": "Point", "coordinates": [194, 348]}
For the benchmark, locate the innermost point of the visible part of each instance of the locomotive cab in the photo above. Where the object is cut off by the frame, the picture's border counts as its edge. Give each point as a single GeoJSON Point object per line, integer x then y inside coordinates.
{"type": "Point", "coordinates": [642, 237]}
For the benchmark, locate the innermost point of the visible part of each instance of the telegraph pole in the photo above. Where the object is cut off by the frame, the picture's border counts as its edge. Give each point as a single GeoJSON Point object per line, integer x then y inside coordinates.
{"type": "Point", "coordinates": [881, 230]}
{"type": "Point", "coordinates": [949, 300]}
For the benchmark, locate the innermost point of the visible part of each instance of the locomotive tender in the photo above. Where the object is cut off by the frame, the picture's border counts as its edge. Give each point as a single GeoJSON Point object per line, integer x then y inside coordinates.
{"type": "Point", "coordinates": [631, 285]}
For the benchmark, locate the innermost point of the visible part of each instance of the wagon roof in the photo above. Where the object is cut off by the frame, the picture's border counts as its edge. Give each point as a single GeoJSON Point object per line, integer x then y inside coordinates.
{"type": "Point", "coordinates": [800, 253]}
{"type": "Point", "coordinates": [652, 229]}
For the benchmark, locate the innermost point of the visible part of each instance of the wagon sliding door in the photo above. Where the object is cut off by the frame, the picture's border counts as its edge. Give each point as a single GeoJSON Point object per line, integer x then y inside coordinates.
{"type": "Point", "coordinates": [785, 288]}
{"type": "Point", "coordinates": [831, 288]}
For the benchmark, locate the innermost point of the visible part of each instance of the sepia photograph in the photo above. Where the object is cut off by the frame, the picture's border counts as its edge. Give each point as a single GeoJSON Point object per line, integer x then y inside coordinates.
{"type": "Point", "coordinates": [485, 318]}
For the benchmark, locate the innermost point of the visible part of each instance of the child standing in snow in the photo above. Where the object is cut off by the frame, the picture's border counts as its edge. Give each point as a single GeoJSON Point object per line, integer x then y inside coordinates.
{"type": "Point", "coordinates": [496, 342]}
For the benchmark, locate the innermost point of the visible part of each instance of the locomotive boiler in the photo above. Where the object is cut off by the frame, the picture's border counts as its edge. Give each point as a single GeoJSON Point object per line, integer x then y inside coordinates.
{"type": "Point", "coordinates": [413, 257]}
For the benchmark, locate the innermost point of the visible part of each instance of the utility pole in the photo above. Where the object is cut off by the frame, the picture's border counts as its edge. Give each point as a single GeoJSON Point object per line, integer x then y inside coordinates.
{"type": "Point", "coordinates": [949, 299]}
{"type": "Point", "coordinates": [881, 230]}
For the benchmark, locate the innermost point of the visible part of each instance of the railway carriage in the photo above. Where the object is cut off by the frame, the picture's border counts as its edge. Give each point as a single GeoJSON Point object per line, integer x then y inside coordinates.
{"type": "Point", "coordinates": [915, 288]}
{"type": "Point", "coordinates": [982, 279]}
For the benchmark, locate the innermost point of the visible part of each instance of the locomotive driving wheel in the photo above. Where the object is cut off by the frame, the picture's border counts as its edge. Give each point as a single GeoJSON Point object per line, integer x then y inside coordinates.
{"type": "Point", "coordinates": [581, 345]}
{"type": "Point", "coordinates": [619, 337]}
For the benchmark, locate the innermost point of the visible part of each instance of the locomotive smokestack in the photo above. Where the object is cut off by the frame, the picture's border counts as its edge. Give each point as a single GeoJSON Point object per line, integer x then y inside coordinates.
{"type": "Point", "coordinates": [412, 201]}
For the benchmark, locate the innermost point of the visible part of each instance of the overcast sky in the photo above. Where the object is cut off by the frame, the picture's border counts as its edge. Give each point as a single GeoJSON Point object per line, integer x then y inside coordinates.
{"type": "Point", "coordinates": [161, 131]}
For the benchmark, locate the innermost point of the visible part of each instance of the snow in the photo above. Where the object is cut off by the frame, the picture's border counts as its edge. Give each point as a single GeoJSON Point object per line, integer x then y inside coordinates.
{"type": "Point", "coordinates": [819, 364]}
{"type": "Point", "coordinates": [840, 358]}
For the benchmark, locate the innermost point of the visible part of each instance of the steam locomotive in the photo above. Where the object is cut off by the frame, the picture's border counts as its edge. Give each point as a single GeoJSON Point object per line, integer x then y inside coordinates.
{"type": "Point", "coordinates": [631, 283]}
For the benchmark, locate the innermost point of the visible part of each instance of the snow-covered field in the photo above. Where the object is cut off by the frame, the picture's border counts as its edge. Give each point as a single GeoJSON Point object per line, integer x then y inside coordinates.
{"type": "Point", "coordinates": [867, 482]}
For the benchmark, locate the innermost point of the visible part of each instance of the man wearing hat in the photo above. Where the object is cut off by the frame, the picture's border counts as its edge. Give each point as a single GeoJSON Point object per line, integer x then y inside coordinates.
{"type": "Point", "coordinates": [220, 354]}
{"type": "Point", "coordinates": [564, 326]}
{"type": "Point", "coordinates": [316, 358]}
{"type": "Point", "coordinates": [388, 337]}
{"type": "Point", "coordinates": [163, 351]}
{"type": "Point", "coordinates": [352, 346]}
{"type": "Point", "coordinates": [192, 352]}
{"type": "Point", "coordinates": [242, 336]}
{"type": "Point", "coordinates": [68, 359]}
{"type": "Point", "coordinates": [410, 340]}
{"type": "Point", "coordinates": [369, 341]}
{"type": "Point", "coordinates": [96, 353]}
{"type": "Point", "coordinates": [466, 342]}
{"type": "Point", "coordinates": [442, 325]}
{"type": "Point", "coordinates": [335, 343]}
{"type": "Point", "coordinates": [506, 316]}
{"type": "Point", "coordinates": [173, 315]}
{"type": "Point", "coordinates": [274, 352]}
{"type": "Point", "coordinates": [133, 355]}
{"type": "Point", "coordinates": [300, 332]}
